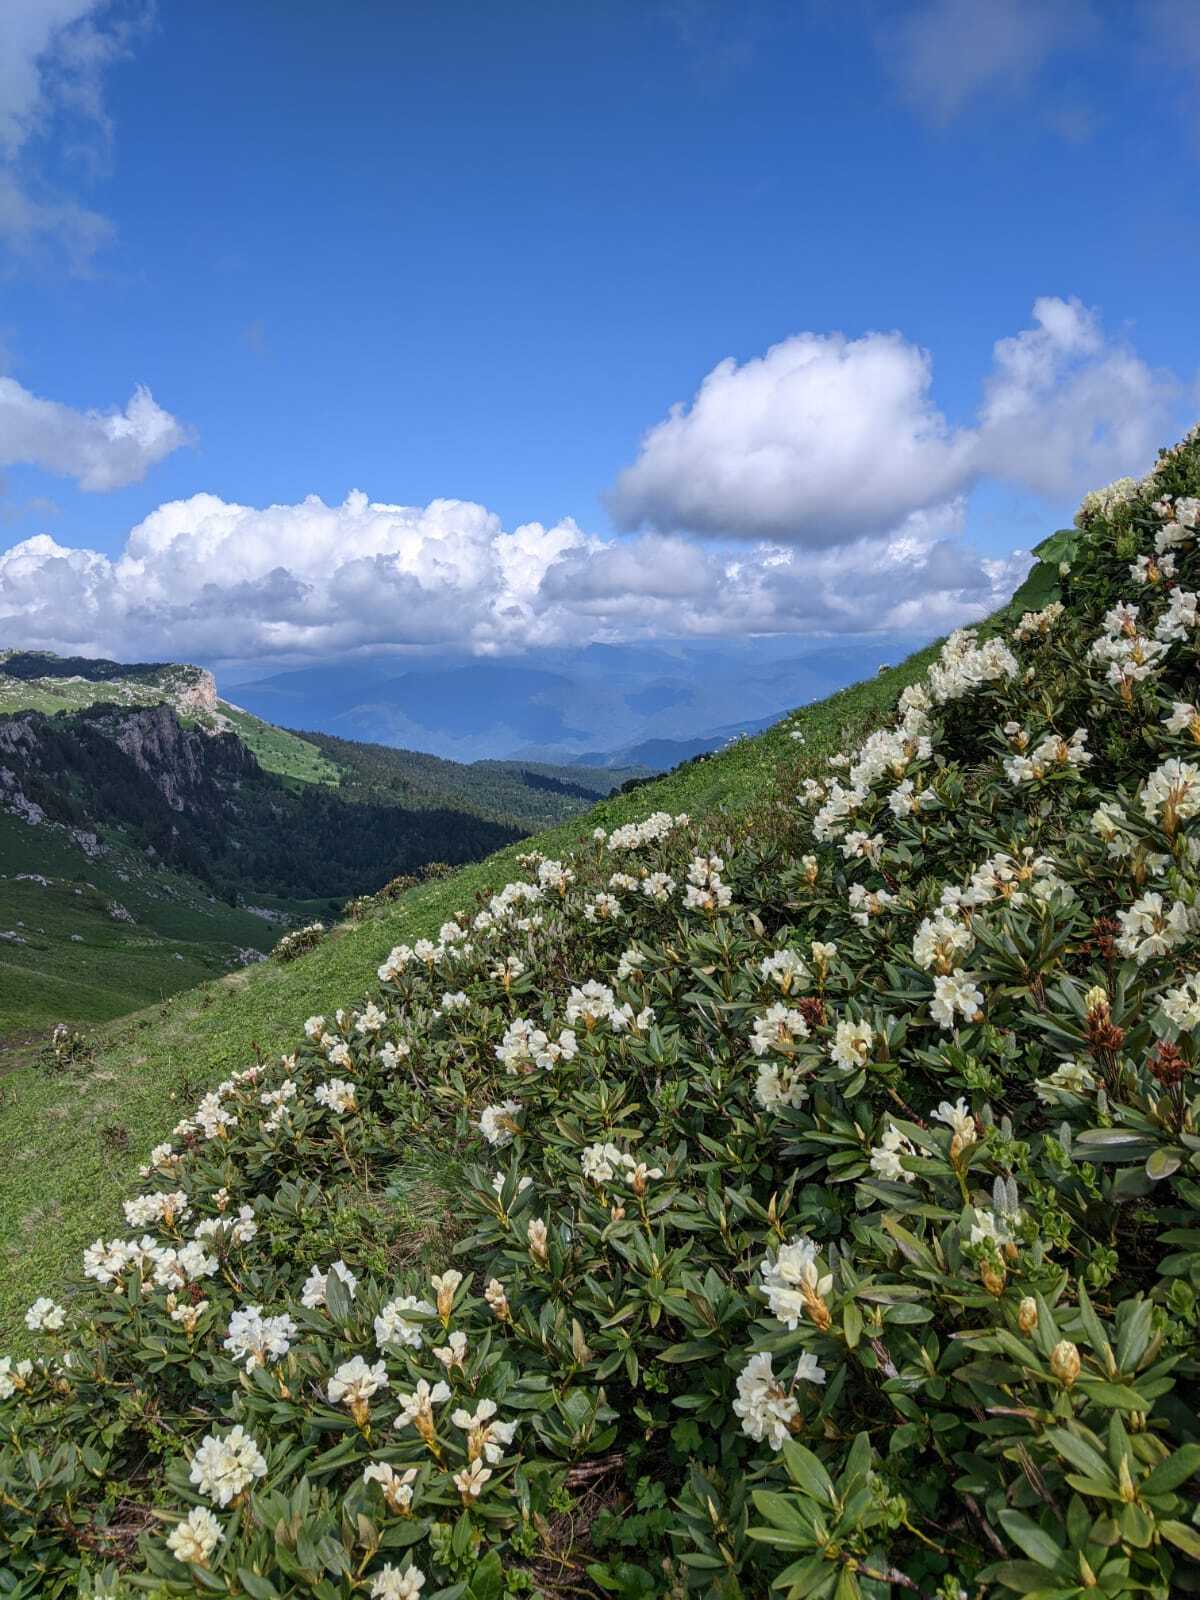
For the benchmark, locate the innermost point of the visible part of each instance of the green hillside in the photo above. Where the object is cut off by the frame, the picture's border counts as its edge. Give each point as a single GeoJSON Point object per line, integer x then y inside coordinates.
{"type": "Point", "coordinates": [781, 1180]}
{"type": "Point", "coordinates": [277, 749]}
{"type": "Point", "coordinates": [84, 940]}
{"type": "Point", "coordinates": [145, 1067]}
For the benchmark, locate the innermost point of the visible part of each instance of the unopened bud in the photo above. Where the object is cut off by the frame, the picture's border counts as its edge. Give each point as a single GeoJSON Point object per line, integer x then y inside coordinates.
{"type": "Point", "coordinates": [537, 1236]}
{"type": "Point", "coordinates": [497, 1299]}
{"type": "Point", "coordinates": [962, 1141]}
{"type": "Point", "coordinates": [1027, 1315]}
{"type": "Point", "coordinates": [1096, 997]}
{"type": "Point", "coordinates": [993, 1277]}
{"type": "Point", "coordinates": [1064, 1362]}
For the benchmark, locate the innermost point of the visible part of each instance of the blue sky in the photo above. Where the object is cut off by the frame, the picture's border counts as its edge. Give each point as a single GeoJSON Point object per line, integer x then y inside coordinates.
{"type": "Point", "coordinates": [475, 252]}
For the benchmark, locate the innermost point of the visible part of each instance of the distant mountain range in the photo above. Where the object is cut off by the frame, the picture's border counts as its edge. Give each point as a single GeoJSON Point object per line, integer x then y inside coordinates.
{"type": "Point", "coordinates": [603, 705]}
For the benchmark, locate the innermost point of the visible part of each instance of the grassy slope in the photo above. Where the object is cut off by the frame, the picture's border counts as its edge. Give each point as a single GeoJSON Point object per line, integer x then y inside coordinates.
{"type": "Point", "coordinates": [72, 1141]}
{"type": "Point", "coordinates": [67, 694]}
{"type": "Point", "coordinates": [278, 750]}
{"type": "Point", "coordinates": [112, 966]}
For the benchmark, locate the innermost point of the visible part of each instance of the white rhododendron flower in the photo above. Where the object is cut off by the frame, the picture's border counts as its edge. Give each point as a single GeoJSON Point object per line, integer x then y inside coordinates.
{"type": "Point", "coordinates": [13, 1376]}
{"type": "Point", "coordinates": [337, 1095]}
{"type": "Point", "coordinates": [397, 1583]}
{"type": "Point", "coordinates": [1171, 793]}
{"type": "Point", "coordinates": [885, 1156]}
{"type": "Point", "coordinates": [396, 1487]}
{"type": "Point", "coordinates": [454, 1352]}
{"type": "Point", "coordinates": [496, 1122]}
{"type": "Point", "coordinates": [778, 1029]}
{"type": "Point", "coordinates": [785, 969]}
{"type": "Point", "coordinates": [195, 1538]}
{"type": "Point", "coordinates": [1071, 1077]}
{"type": "Point", "coordinates": [225, 1465]}
{"type": "Point", "coordinates": [487, 1439]}
{"type": "Point", "coordinates": [147, 1209]}
{"type": "Point", "coordinates": [355, 1381]}
{"type": "Point", "coordinates": [600, 1162]}
{"type": "Point", "coordinates": [958, 1117]}
{"type": "Point", "coordinates": [955, 994]}
{"type": "Point", "coordinates": [766, 1407]}
{"type": "Point", "coordinates": [45, 1316]}
{"type": "Point", "coordinates": [393, 1329]}
{"type": "Point", "coordinates": [940, 941]}
{"type": "Point", "coordinates": [1181, 1005]}
{"type": "Point", "coordinates": [470, 1481]}
{"type": "Point", "coordinates": [258, 1341]}
{"type": "Point", "coordinates": [316, 1284]}
{"type": "Point", "coordinates": [1184, 717]}
{"type": "Point", "coordinates": [793, 1281]}
{"type": "Point", "coordinates": [1151, 927]}
{"type": "Point", "coordinates": [851, 1045]}
{"type": "Point", "coordinates": [779, 1084]}
{"type": "Point", "coordinates": [418, 1406]}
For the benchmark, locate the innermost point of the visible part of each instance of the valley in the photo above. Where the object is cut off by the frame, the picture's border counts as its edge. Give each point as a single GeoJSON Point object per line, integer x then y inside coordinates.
{"type": "Point", "coordinates": [153, 835]}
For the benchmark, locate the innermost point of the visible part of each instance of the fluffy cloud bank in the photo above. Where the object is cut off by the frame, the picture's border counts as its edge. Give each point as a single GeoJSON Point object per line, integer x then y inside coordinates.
{"type": "Point", "coordinates": [100, 449]}
{"type": "Point", "coordinates": [827, 439]}
{"type": "Point", "coordinates": [817, 489]}
{"type": "Point", "coordinates": [201, 578]}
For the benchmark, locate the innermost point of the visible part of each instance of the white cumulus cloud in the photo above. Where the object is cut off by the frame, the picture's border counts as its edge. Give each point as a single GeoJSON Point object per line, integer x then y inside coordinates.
{"type": "Point", "coordinates": [205, 579]}
{"type": "Point", "coordinates": [816, 489]}
{"type": "Point", "coordinates": [826, 439]}
{"type": "Point", "coordinates": [100, 449]}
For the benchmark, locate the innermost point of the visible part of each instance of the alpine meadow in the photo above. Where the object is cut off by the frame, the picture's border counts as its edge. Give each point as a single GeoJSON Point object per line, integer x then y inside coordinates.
{"type": "Point", "coordinates": [793, 1194]}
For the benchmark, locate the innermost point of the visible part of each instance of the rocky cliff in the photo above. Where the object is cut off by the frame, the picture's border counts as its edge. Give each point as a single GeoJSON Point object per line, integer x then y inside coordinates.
{"type": "Point", "coordinates": [182, 763]}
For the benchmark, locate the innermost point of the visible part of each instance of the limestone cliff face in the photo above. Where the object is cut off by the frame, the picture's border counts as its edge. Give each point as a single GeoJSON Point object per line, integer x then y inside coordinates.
{"type": "Point", "coordinates": [198, 693]}
{"type": "Point", "coordinates": [182, 763]}
{"type": "Point", "coordinates": [194, 771]}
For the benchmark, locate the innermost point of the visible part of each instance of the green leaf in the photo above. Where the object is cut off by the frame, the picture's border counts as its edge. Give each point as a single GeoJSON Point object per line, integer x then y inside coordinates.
{"type": "Point", "coordinates": [1023, 1576]}
{"type": "Point", "coordinates": [1134, 1337]}
{"type": "Point", "coordinates": [1182, 1536]}
{"type": "Point", "coordinates": [1162, 1164]}
{"type": "Point", "coordinates": [690, 1350]}
{"type": "Point", "coordinates": [1137, 1525]}
{"type": "Point", "coordinates": [258, 1588]}
{"type": "Point", "coordinates": [807, 1472]}
{"type": "Point", "coordinates": [1113, 1395]}
{"type": "Point", "coordinates": [1039, 1546]}
{"type": "Point", "coordinates": [1079, 1454]}
{"type": "Point", "coordinates": [852, 1324]}
{"type": "Point", "coordinates": [1176, 1469]}
{"type": "Point", "coordinates": [910, 1246]}
{"type": "Point", "coordinates": [782, 1510]}
{"type": "Point", "coordinates": [1113, 1144]}
{"type": "Point", "coordinates": [804, 1577]}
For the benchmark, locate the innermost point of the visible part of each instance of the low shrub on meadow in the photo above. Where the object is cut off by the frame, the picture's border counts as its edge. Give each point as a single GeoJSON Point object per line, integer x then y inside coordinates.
{"type": "Point", "coordinates": [830, 1221]}
{"type": "Point", "coordinates": [298, 942]}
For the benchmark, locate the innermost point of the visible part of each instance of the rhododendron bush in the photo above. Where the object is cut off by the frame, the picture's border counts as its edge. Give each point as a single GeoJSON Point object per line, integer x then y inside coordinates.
{"type": "Point", "coordinates": [821, 1203]}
